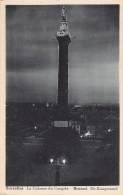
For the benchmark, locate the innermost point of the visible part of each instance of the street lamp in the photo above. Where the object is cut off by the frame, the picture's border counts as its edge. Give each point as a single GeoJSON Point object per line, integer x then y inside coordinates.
{"type": "Point", "coordinates": [64, 161]}
{"type": "Point", "coordinates": [51, 160]}
{"type": "Point", "coordinates": [57, 163]}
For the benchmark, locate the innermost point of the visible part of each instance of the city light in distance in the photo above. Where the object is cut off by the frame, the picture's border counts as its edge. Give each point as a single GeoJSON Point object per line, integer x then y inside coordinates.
{"type": "Point", "coordinates": [35, 127]}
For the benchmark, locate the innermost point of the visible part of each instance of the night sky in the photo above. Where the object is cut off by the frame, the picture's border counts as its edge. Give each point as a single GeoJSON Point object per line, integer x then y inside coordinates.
{"type": "Point", "coordinates": [32, 53]}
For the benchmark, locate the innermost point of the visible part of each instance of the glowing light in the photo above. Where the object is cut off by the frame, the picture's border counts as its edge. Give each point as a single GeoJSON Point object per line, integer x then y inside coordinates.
{"type": "Point", "coordinates": [51, 160]}
{"type": "Point", "coordinates": [64, 161]}
{"type": "Point", "coordinates": [88, 134]}
{"type": "Point", "coordinates": [33, 105]}
{"type": "Point", "coordinates": [35, 127]}
{"type": "Point", "coordinates": [109, 130]}
{"type": "Point", "coordinates": [47, 104]}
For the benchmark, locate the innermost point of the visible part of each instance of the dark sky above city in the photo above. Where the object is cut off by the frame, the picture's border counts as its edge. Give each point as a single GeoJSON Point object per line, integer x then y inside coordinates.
{"type": "Point", "coordinates": [32, 53]}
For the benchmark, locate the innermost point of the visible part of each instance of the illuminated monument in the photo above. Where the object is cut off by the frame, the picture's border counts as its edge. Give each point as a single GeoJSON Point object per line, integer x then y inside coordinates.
{"type": "Point", "coordinates": [63, 140]}
{"type": "Point", "coordinates": [63, 37]}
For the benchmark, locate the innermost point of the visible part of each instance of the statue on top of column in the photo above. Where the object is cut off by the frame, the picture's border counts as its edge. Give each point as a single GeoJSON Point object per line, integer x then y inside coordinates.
{"type": "Point", "coordinates": [63, 13]}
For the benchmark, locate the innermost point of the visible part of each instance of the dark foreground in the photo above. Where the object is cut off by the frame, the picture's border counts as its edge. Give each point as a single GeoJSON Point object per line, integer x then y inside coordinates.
{"type": "Point", "coordinates": [97, 162]}
{"type": "Point", "coordinates": [96, 165]}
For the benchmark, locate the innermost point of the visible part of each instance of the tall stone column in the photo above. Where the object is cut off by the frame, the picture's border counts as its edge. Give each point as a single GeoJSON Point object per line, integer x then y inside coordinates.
{"type": "Point", "coordinates": [63, 37]}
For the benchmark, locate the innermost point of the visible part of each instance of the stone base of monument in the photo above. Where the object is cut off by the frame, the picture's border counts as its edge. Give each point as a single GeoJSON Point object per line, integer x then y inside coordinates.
{"type": "Point", "coordinates": [62, 124]}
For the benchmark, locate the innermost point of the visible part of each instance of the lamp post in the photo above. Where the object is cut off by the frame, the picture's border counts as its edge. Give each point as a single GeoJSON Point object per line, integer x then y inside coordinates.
{"type": "Point", "coordinates": [57, 163]}
{"type": "Point", "coordinates": [57, 175]}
